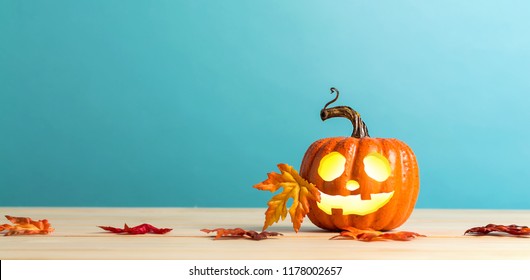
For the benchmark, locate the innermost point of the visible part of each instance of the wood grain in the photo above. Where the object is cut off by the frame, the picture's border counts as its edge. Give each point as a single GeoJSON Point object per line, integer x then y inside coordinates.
{"type": "Point", "coordinates": [77, 236]}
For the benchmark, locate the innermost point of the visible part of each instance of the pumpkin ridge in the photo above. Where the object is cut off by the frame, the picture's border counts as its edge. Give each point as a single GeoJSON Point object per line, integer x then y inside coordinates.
{"type": "Point", "coordinates": [411, 181]}
{"type": "Point", "coordinates": [313, 177]}
{"type": "Point", "coordinates": [407, 186]}
{"type": "Point", "coordinates": [310, 154]}
{"type": "Point", "coordinates": [392, 209]}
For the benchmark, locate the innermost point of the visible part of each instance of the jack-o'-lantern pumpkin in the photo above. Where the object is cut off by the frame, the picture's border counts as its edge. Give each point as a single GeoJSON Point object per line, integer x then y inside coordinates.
{"type": "Point", "coordinates": [364, 182]}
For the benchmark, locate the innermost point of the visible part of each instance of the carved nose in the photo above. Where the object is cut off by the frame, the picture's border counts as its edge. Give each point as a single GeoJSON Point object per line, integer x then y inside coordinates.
{"type": "Point", "coordinates": [352, 185]}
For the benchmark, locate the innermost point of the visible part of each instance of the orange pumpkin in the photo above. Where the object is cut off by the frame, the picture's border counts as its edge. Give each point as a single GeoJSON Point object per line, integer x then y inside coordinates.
{"type": "Point", "coordinates": [364, 182]}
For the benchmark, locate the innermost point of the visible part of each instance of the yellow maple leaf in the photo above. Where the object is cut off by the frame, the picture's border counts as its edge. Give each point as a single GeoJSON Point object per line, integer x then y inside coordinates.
{"type": "Point", "coordinates": [295, 187]}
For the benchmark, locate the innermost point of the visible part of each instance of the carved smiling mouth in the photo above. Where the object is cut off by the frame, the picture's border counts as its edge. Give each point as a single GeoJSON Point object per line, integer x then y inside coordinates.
{"type": "Point", "coordinates": [353, 204]}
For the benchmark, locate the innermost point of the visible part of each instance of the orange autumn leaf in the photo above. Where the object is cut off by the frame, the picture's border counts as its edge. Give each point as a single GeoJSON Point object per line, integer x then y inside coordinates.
{"type": "Point", "coordinates": [294, 187]}
{"type": "Point", "coordinates": [374, 235]}
{"type": "Point", "coordinates": [25, 226]}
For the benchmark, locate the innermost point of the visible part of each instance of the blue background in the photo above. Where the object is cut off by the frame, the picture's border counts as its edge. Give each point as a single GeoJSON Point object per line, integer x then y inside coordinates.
{"type": "Point", "coordinates": [191, 103]}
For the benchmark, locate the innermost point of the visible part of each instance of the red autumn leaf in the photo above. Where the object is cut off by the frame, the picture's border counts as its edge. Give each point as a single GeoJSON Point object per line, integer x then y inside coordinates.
{"type": "Point", "coordinates": [25, 226]}
{"type": "Point", "coordinates": [511, 229]}
{"type": "Point", "coordinates": [374, 235]}
{"type": "Point", "coordinates": [140, 229]}
{"type": "Point", "coordinates": [239, 232]}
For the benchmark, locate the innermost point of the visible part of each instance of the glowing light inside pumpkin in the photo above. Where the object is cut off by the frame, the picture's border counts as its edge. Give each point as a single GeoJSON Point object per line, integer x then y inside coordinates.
{"type": "Point", "coordinates": [352, 185]}
{"type": "Point", "coordinates": [331, 166]}
{"type": "Point", "coordinates": [353, 204]}
{"type": "Point", "coordinates": [377, 166]}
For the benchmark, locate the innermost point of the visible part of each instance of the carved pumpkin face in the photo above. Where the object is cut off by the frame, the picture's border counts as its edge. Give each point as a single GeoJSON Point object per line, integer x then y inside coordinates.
{"type": "Point", "coordinates": [376, 167]}
{"type": "Point", "coordinates": [363, 182]}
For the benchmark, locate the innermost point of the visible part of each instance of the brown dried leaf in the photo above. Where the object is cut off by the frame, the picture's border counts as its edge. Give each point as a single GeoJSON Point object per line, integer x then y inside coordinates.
{"type": "Point", "coordinates": [239, 232]}
{"type": "Point", "coordinates": [295, 187]}
{"type": "Point", "coordinates": [262, 235]}
{"type": "Point", "coordinates": [511, 229]}
{"type": "Point", "coordinates": [25, 226]}
{"type": "Point", "coordinates": [374, 235]}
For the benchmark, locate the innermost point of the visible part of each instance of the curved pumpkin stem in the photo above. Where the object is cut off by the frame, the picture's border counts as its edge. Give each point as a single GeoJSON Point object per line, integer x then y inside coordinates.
{"type": "Point", "coordinates": [359, 127]}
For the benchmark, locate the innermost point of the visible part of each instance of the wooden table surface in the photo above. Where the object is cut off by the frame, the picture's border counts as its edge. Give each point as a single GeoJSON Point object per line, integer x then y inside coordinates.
{"type": "Point", "coordinates": [77, 236]}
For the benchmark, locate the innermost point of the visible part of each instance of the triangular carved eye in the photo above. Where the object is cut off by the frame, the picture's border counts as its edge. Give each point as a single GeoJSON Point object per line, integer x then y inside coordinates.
{"type": "Point", "coordinates": [377, 166]}
{"type": "Point", "coordinates": [331, 166]}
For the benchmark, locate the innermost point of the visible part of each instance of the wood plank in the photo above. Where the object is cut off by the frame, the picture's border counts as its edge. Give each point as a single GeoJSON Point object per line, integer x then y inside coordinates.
{"type": "Point", "coordinates": [78, 237]}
